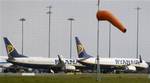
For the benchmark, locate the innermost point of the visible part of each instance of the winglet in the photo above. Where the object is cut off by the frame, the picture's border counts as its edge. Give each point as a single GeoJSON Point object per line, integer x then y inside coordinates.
{"type": "Point", "coordinates": [61, 62]}
{"type": "Point", "coordinates": [140, 58]}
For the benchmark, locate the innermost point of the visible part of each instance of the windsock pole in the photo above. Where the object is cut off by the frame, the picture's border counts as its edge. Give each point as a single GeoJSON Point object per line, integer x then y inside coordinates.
{"type": "Point", "coordinates": [98, 59]}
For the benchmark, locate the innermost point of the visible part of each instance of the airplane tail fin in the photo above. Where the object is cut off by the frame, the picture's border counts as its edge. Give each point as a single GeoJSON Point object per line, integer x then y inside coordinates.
{"type": "Point", "coordinates": [80, 49]}
{"type": "Point", "coordinates": [11, 51]}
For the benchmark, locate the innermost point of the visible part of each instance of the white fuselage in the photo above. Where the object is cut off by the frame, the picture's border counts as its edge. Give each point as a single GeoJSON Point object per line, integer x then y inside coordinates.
{"type": "Point", "coordinates": [116, 62]}
{"type": "Point", "coordinates": [43, 61]}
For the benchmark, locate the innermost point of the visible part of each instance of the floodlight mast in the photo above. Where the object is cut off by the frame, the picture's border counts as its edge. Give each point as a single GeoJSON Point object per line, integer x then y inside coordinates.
{"type": "Point", "coordinates": [137, 42]}
{"type": "Point", "coordinates": [22, 20]}
{"type": "Point", "coordinates": [71, 20]}
{"type": "Point", "coordinates": [49, 31]}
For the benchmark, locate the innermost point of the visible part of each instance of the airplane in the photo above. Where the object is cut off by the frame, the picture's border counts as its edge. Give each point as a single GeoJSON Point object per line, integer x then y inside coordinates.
{"type": "Point", "coordinates": [4, 63]}
{"type": "Point", "coordinates": [109, 64]}
{"type": "Point", "coordinates": [52, 64]}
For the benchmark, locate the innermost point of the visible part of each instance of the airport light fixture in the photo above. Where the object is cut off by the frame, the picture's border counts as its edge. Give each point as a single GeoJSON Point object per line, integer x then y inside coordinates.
{"type": "Point", "coordinates": [22, 21]}
{"type": "Point", "coordinates": [137, 48]}
{"type": "Point", "coordinates": [71, 20]}
{"type": "Point", "coordinates": [49, 31]}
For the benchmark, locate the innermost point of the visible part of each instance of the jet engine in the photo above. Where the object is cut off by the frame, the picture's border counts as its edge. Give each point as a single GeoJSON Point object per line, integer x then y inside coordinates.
{"type": "Point", "coordinates": [130, 68]}
{"type": "Point", "coordinates": [69, 68]}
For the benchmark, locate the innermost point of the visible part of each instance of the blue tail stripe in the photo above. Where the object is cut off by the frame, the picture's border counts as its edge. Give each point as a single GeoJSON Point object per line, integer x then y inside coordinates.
{"type": "Point", "coordinates": [11, 51]}
{"type": "Point", "coordinates": [80, 49]}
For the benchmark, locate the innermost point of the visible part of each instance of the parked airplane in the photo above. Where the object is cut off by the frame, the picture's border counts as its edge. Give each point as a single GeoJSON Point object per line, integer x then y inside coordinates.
{"type": "Point", "coordinates": [4, 63]}
{"type": "Point", "coordinates": [39, 62]}
{"type": "Point", "coordinates": [109, 64]}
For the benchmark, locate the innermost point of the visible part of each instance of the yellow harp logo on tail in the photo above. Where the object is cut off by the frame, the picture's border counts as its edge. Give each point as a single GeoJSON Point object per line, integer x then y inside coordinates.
{"type": "Point", "coordinates": [10, 48]}
{"type": "Point", "coordinates": [80, 49]}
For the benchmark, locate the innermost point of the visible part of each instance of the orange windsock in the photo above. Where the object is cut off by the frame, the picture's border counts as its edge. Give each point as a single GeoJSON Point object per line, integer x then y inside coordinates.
{"type": "Point", "coordinates": [106, 15]}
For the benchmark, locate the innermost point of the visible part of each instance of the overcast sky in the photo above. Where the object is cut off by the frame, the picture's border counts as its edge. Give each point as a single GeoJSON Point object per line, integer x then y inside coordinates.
{"type": "Point", "coordinates": [84, 26]}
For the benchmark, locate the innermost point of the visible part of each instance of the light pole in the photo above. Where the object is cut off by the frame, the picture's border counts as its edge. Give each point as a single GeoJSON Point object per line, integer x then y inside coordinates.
{"type": "Point", "coordinates": [109, 40]}
{"type": "Point", "coordinates": [22, 20]}
{"type": "Point", "coordinates": [71, 20]}
{"type": "Point", "coordinates": [137, 49]}
{"type": "Point", "coordinates": [98, 59]}
{"type": "Point", "coordinates": [49, 30]}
